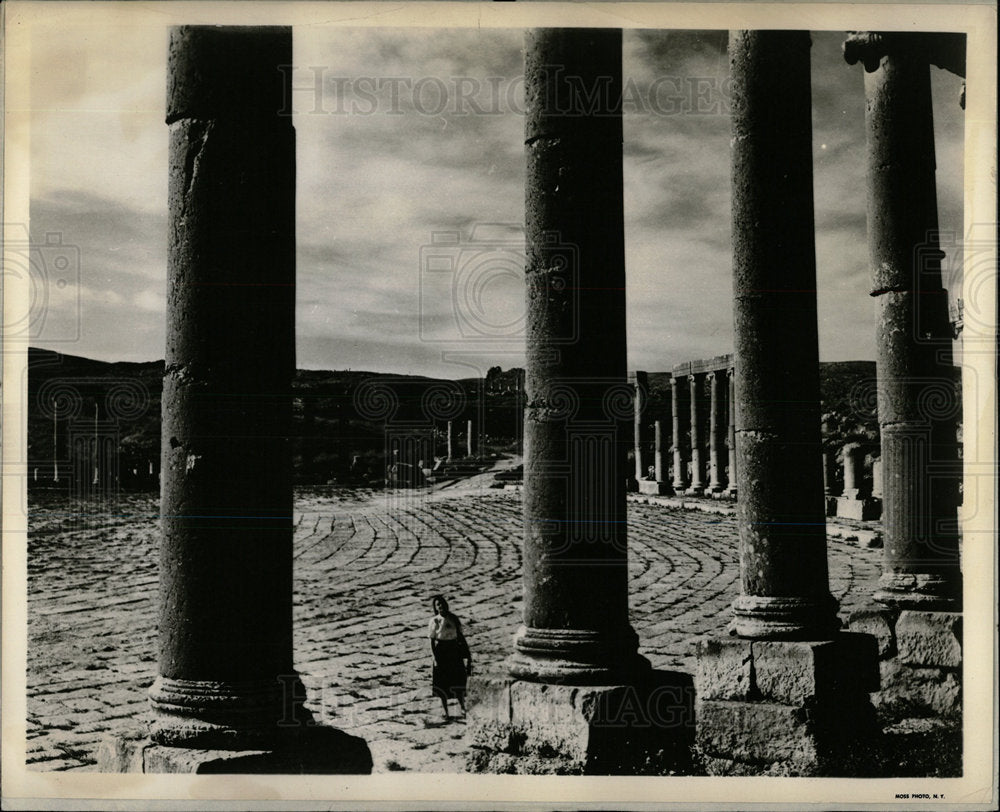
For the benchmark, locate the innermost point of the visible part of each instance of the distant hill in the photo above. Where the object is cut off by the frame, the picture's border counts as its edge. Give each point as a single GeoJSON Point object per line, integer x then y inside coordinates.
{"type": "Point", "coordinates": [341, 417]}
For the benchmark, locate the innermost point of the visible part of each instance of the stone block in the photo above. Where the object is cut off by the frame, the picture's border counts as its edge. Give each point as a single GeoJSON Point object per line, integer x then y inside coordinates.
{"type": "Point", "coordinates": [653, 488]}
{"type": "Point", "coordinates": [544, 728]}
{"type": "Point", "coordinates": [859, 509]}
{"type": "Point", "coordinates": [122, 752]}
{"type": "Point", "coordinates": [753, 731]}
{"type": "Point", "coordinates": [930, 639]}
{"type": "Point", "coordinates": [315, 750]}
{"type": "Point", "coordinates": [880, 623]}
{"type": "Point", "coordinates": [908, 690]}
{"type": "Point", "coordinates": [724, 668]}
{"type": "Point", "coordinates": [870, 539]}
{"type": "Point", "coordinates": [793, 671]}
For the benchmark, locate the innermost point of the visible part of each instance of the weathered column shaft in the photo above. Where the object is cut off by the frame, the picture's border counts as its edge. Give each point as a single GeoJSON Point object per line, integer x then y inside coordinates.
{"type": "Point", "coordinates": [641, 382]}
{"type": "Point", "coordinates": [731, 434]}
{"type": "Point", "coordinates": [716, 430]}
{"type": "Point", "coordinates": [450, 438]}
{"type": "Point", "coordinates": [783, 567]}
{"type": "Point", "coordinates": [697, 439]}
{"type": "Point", "coordinates": [226, 552]}
{"type": "Point", "coordinates": [469, 446]}
{"type": "Point", "coordinates": [679, 414]}
{"type": "Point", "coordinates": [577, 428]}
{"type": "Point", "coordinates": [853, 472]}
{"type": "Point", "coordinates": [658, 470]}
{"type": "Point", "coordinates": [916, 382]}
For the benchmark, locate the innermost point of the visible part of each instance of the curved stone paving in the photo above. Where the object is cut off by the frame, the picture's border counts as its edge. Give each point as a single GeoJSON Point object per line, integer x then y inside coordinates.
{"type": "Point", "coordinates": [366, 566]}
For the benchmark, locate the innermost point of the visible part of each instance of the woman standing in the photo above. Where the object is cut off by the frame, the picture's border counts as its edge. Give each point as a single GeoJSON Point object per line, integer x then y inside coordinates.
{"type": "Point", "coordinates": [449, 649]}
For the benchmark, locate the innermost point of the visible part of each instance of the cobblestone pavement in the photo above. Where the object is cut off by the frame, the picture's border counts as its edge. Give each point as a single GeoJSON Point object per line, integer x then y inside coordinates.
{"type": "Point", "coordinates": [366, 566]}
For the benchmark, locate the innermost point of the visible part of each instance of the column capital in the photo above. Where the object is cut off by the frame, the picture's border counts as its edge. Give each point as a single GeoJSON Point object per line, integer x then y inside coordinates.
{"type": "Point", "coordinates": [868, 47]}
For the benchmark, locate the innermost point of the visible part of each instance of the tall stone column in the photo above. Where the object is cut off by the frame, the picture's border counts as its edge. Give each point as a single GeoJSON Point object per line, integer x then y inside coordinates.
{"type": "Point", "coordinates": [787, 660]}
{"type": "Point", "coordinates": [574, 627]}
{"type": "Point", "coordinates": [680, 417]}
{"type": "Point", "coordinates": [226, 680]}
{"type": "Point", "coordinates": [658, 467]}
{"type": "Point", "coordinates": [640, 382]}
{"type": "Point", "coordinates": [916, 380]}
{"type": "Point", "coordinates": [575, 651]}
{"type": "Point", "coordinates": [782, 529]}
{"type": "Point", "coordinates": [731, 433]}
{"type": "Point", "coordinates": [450, 439]}
{"type": "Point", "coordinates": [469, 445]}
{"type": "Point", "coordinates": [920, 592]}
{"type": "Point", "coordinates": [716, 430]}
{"type": "Point", "coordinates": [697, 486]}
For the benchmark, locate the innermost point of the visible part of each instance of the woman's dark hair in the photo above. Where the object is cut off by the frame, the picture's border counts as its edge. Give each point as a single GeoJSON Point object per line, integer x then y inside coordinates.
{"type": "Point", "coordinates": [444, 602]}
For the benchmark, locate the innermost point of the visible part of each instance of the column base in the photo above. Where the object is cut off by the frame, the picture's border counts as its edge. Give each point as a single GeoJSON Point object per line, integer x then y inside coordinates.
{"type": "Point", "coordinates": [316, 750]}
{"type": "Point", "coordinates": [695, 490]}
{"type": "Point", "coordinates": [781, 707]}
{"type": "Point", "coordinates": [758, 616]}
{"type": "Point", "coordinates": [640, 728]}
{"type": "Point", "coordinates": [576, 656]}
{"type": "Point", "coordinates": [654, 488]}
{"type": "Point", "coordinates": [226, 715]}
{"type": "Point", "coordinates": [928, 591]}
{"type": "Point", "coordinates": [860, 509]}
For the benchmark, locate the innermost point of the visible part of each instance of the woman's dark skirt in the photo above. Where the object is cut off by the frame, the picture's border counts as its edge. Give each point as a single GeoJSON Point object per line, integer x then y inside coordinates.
{"type": "Point", "coordinates": [448, 678]}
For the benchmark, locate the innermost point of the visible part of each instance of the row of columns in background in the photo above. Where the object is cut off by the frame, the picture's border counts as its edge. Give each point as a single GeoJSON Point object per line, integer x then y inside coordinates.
{"type": "Point", "coordinates": [226, 677]}
{"type": "Point", "coordinates": [685, 457]}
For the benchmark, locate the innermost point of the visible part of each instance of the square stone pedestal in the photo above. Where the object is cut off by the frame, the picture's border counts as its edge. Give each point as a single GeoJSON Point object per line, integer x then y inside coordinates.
{"type": "Point", "coordinates": [787, 707]}
{"type": "Point", "coordinates": [861, 509]}
{"type": "Point", "coordinates": [920, 661]}
{"type": "Point", "coordinates": [315, 750]}
{"type": "Point", "coordinates": [654, 488]}
{"type": "Point", "coordinates": [528, 728]}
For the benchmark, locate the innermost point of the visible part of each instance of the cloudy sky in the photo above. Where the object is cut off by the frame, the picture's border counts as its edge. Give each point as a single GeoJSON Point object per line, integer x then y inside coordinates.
{"type": "Point", "coordinates": [416, 132]}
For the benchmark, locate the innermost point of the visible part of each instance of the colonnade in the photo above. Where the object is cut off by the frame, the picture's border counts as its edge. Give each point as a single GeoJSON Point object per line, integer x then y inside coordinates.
{"type": "Point", "coordinates": [700, 425]}
{"type": "Point", "coordinates": [226, 680]}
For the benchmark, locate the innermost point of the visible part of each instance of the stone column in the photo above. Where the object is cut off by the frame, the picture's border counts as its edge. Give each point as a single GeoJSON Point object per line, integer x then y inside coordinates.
{"type": "Point", "coordinates": [450, 439]}
{"type": "Point", "coordinates": [697, 486]}
{"type": "Point", "coordinates": [716, 430]}
{"type": "Point", "coordinates": [226, 680]}
{"type": "Point", "coordinates": [916, 381]}
{"type": "Point", "coordinates": [658, 468]}
{"type": "Point", "coordinates": [853, 470]}
{"type": "Point", "coordinates": [640, 383]}
{"type": "Point", "coordinates": [920, 592]}
{"type": "Point", "coordinates": [679, 415]}
{"type": "Point", "coordinates": [854, 502]}
{"type": "Point", "coordinates": [575, 627]}
{"type": "Point", "coordinates": [731, 434]}
{"type": "Point", "coordinates": [578, 425]}
{"type": "Point", "coordinates": [877, 478]}
{"type": "Point", "coordinates": [787, 660]}
{"type": "Point", "coordinates": [782, 528]}
{"type": "Point", "coordinates": [469, 445]}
